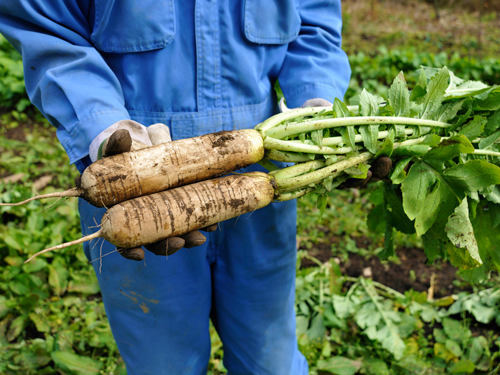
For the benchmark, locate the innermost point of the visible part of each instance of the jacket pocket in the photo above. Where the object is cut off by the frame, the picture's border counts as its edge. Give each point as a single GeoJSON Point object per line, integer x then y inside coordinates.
{"type": "Point", "coordinates": [133, 25]}
{"type": "Point", "coordinates": [271, 21]}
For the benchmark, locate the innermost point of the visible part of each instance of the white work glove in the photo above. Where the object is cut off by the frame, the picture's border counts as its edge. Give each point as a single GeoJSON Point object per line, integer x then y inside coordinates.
{"type": "Point", "coordinates": [316, 102]}
{"type": "Point", "coordinates": [128, 135]}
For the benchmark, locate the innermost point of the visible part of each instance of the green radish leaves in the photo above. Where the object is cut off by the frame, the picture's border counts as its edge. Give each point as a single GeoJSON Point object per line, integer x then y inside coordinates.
{"type": "Point", "coordinates": [435, 94]}
{"type": "Point", "coordinates": [399, 96]}
{"type": "Point", "coordinates": [444, 140]}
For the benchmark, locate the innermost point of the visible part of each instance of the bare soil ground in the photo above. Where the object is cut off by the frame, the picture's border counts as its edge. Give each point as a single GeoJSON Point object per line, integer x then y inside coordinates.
{"type": "Point", "coordinates": [462, 26]}
{"type": "Point", "coordinates": [411, 272]}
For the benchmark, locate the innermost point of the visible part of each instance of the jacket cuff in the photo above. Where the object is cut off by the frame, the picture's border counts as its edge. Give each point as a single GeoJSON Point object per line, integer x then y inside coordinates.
{"type": "Point", "coordinates": [296, 98]}
{"type": "Point", "coordinates": [77, 141]}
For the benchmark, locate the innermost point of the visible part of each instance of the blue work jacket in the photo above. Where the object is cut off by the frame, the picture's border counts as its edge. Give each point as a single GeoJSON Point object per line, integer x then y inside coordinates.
{"type": "Point", "coordinates": [198, 66]}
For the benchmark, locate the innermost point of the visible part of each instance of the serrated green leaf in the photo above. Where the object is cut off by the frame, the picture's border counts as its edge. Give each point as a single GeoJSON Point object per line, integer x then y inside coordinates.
{"type": "Point", "coordinates": [368, 104]}
{"type": "Point", "coordinates": [79, 364]}
{"type": "Point", "coordinates": [389, 338]}
{"type": "Point", "coordinates": [462, 119]}
{"type": "Point", "coordinates": [348, 136]}
{"type": "Point", "coordinates": [435, 94]}
{"type": "Point", "coordinates": [420, 89]}
{"type": "Point", "coordinates": [461, 233]}
{"type": "Point", "coordinates": [491, 193]}
{"type": "Point", "coordinates": [488, 239]}
{"type": "Point", "coordinates": [375, 219]}
{"type": "Point", "coordinates": [474, 128]}
{"type": "Point", "coordinates": [453, 347]}
{"type": "Point", "coordinates": [58, 279]}
{"type": "Point", "coordinates": [440, 351]}
{"type": "Point", "coordinates": [494, 210]}
{"type": "Point", "coordinates": [473, 175]}
{"type": "Point", "coordinates": [321, 203]}
{"type": "Point", "coordinates": [488, 141]}
{"type": "Point", "coordinates": [377, 195]}
{"type": "Point", "coordinates": [387, 147]}
{"type": "Point", "coordinates": [447, 150]}
{"type": "Point", "coordinates": [462, 366]}
{"type": "Point", "coordinates": [375, 366]}
{"type": "Point", "coordinates": [483, 314]}
{"type": "Point", "coordinates": [360, 171]}
{"type": "Point", "coordinates": [399, 96]}
{"type": "Point", "coordinates": [439, 335]}
{"type": "Point", "coordinates": [343, 306]}
{"type": "Point", "coordinates": [317, 137]}
{"type": "Point", "coordinates": [449, 110]}
{"type": "Point", "coordinates": [317, 329]}
{"type": "Point", "coordinates": [386, 110]}
{"type": "Point", "coordinates": [398, 174]}
{"type": "Point", "coordinates": [476, 275]}
{"type": "Point", "coordinates": [396, 216]}
{"type": "Point", "coordinates": [41, 323]}
{"type": "Point", "coordinates": [35, 265]}
{"type": "Point", "coordinates": [339, 365]}
{"type": "Point", "coordinates": [388, 250]}
{"type": "Point", "coordinates": [432, 140]}
{"type": "Point", "coordinates": [302, 137]}
{"type": "Point", "coordinates": [478, 345]}
{"type": "Point", "coordinates": [468, 89]}
{"type": "Point", "coordinates": [433, 202]}
{"type": "Point", "coordinates": [399, 130]}
{"type": "Point", "coordinates": [493, 123]}
{"type": "Point", "coordinates": [340, 109]}
{"type": "Point", "coordinates": [411, 150]}
{"type": "Point", "coordinates": [415, 188]}
{"type": "Point", "coordinates": [454, 329]}
{"type": "Point", "coordinates": [16, 327]}
{"type": "Point", "coordinates": [369, 134]}
{"type": "Point", "coordinates": [491, 103]}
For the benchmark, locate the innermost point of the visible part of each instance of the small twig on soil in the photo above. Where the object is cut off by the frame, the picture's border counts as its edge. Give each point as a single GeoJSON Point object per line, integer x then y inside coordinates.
{"type": "Point", "coordinates": [13, 178]}
{"type": "Point", "coordinates": [42, 182]}
{"type": "Point", "coordinates": [430, 291]}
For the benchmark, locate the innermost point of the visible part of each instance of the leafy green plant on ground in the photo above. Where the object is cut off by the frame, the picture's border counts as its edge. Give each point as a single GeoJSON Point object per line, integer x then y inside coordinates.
{"type": "Point", "coordinates": [12, 92]}
{"type": "Point", "coordinates": [375, 71]}
{"type": "Point", "coordinates": [351, 325]}
{"type": "Point", "coordinates": [51, 314]}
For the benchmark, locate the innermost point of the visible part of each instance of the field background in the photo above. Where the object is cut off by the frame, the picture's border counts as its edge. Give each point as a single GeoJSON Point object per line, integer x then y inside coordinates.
{"type": "Point", "coordinates": [355, 314]}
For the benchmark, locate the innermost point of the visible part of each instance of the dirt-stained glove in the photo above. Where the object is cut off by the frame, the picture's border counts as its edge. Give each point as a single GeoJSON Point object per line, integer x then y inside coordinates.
{"type": "Point", "coordinates": [379, 169]}
{"type": "Point", "coordinates": [128, 135]}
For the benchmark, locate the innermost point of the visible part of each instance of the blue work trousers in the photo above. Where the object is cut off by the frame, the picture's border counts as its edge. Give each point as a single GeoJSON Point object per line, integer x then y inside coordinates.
{"type": "Point", "coordinates": [243, 278]}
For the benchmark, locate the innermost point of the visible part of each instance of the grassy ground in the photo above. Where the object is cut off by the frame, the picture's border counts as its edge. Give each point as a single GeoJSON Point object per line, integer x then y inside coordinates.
{"type": "Point", "coordinates": [414, 24]}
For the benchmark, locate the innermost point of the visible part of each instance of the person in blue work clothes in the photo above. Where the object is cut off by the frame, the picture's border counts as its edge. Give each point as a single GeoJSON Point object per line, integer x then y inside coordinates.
{"type": "Point", "coordinates": [199, 67]}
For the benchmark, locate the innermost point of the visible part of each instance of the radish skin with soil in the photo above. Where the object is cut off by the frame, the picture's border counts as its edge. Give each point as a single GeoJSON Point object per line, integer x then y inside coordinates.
{"type": "Point", "coordinates": [117, 178]}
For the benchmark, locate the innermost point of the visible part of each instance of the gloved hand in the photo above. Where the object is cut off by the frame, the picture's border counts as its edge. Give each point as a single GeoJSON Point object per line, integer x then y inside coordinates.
{"type": "Point", "coordinates": [128, 135]}
{"type": "Point", "coordinates": [379, 169]}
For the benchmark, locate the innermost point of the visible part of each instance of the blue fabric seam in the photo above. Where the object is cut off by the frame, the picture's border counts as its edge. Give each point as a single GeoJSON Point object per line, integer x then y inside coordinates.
{"type": "Point", "coordinates": [217, 61]}
{"type": "Point", "coordinates": [94, 115]}
{"type": "Point", "coordinates": [75, 131]}
{"type": "Point", "coordinates": [138, 47]}
{"type": "Point", "coordinates": [263, 40]}
{"type": "Point", "coordinates": [199, 61]}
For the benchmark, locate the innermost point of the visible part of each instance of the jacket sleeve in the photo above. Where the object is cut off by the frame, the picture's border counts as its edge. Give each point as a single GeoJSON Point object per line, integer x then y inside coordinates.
{"type": "Point", "coordinates": [315, 65]}
{"type": "Point", "coordinates": [66, 78]}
